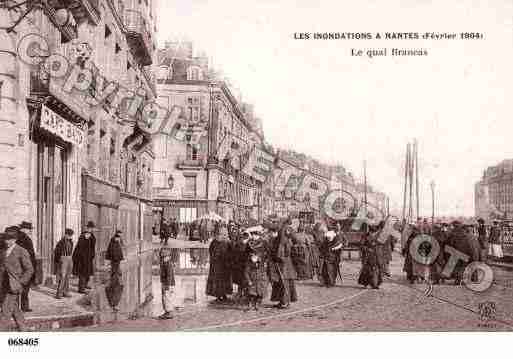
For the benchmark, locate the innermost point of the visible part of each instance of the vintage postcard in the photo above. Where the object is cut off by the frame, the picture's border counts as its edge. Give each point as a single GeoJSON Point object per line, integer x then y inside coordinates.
{"type": "Point", "coordinates": [255, 166]}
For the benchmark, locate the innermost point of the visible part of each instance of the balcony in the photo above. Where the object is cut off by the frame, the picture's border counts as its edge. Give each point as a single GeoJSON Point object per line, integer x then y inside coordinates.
{"type": "Point", "coordinates": [184, 163]}
{"type": "Point", "coordinates": [138, 36]}
{"type": "Point", "coordinates": [188, 193]}
{"type": "Point", "coordinates": [84, 10]}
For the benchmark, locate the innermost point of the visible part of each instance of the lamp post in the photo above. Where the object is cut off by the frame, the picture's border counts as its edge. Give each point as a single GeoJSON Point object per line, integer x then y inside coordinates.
{"type": "Point", "coordinates": [432, 184]}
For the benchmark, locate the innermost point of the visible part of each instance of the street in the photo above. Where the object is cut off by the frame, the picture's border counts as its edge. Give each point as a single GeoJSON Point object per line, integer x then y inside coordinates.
{"type": "Point", "coordinates": [396, 306]}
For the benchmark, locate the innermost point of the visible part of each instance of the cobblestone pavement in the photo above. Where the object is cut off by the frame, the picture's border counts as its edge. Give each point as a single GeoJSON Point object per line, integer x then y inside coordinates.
{"type": "Point", "coordinates": [396, 306]}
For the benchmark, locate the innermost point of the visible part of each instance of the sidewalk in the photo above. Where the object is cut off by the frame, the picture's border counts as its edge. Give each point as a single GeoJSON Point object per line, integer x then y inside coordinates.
{"type": "Point", "coordinates": [50, 313]}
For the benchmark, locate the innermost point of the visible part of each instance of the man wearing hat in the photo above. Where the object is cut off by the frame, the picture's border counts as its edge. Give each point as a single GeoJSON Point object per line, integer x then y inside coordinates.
{"type": "Point", "coordinates": [15, 272]}
{"type": "Point", "coordinates": [63, 263]}
{"type": "Point", "coordinates": [83, 257]}
{"type": "Point", "coordinates": [114, 254]}
{"type": "Point", "coordinates": [25, 241]}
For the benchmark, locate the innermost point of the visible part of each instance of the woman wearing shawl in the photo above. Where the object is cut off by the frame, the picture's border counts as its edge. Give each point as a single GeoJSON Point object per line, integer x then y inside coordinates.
{"type": "Point", "coordinates": [330, 258]}
{"type": "Point", "coordinates": [219, 282]}
{"type": "Point", "coordinates": [300, 255]}
{"type": "Point", "coordinates": [370, 274]}
{"type": "Point", "coordinates": [313, 255]}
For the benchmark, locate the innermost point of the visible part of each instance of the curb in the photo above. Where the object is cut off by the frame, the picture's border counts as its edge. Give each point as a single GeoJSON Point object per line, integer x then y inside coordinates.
{"type": "Point", "coordinates": [55, 322]}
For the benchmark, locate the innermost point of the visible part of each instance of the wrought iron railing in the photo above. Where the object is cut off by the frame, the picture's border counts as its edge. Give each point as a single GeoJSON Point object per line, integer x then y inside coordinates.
{"type": "Point", "coordinates": [182, 161]}
{"type": "Point", "coordinates": [188, 193]}
{"type": "Point", "coordinates": [136, 27]}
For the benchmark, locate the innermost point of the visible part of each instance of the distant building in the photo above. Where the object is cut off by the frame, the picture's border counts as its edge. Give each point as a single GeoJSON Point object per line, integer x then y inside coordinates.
{"type": "Point", "coordinates": [493, 194]}
{"type": "Point", "coordinates": [203, 158]}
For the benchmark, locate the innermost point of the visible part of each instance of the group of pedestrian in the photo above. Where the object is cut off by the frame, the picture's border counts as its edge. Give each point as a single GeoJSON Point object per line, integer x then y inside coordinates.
{"type": "Point", "coordinates": [18, 266]}
{"type": "Point", "coordinates": [278, 254]}
{"type": "Point", "coordinates": [475, 241]}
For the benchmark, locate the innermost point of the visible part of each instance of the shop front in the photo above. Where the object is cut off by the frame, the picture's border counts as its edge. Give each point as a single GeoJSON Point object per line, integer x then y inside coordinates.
{"type": "Point", "coordinates": [184, 211]}
{"type": "Point", "coordinates": [58, 137]}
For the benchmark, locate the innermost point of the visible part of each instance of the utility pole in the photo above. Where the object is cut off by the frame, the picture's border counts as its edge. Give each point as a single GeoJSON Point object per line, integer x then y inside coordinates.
{"type": "Point", "coordinates": [406, 166]}
{"type": "Point", "coordinates": [417, 175]}
{"type": "Point", "coordinates": [365, 185]}
{"type": "Point", "coordinates": [433, 203]}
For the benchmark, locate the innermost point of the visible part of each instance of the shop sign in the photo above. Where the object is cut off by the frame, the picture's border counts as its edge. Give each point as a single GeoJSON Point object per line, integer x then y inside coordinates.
{"type": "Point", "coordinates": [100, 193]}
{"type": "Point", "coordinates": [60, 127]}
{"type": "Point", "coordinates": [259, 165]}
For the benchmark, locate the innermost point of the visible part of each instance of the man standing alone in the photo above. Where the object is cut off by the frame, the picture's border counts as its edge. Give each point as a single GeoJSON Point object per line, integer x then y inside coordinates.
{"type": "Point", "coordinates": [63, 263]}
{"type": "Point", "coordinates": [167, 280]}
{"type": "Point", "coordinates": [83, 257]}
{"type": "Point", "coordinates": [15, 272]}
{"type": "Point", "coordinates": [114, 254]}
{"type": "Point", "coordinates": [25, 242]}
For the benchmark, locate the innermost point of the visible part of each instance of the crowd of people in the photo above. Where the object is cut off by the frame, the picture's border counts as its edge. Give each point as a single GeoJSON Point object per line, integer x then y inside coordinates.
{"type": "Point", "coordinates": [245, 261]}
{"type": "Point", "coordinates": [479, 242]}
{"type": "Point", "coordinates": [18, 266]}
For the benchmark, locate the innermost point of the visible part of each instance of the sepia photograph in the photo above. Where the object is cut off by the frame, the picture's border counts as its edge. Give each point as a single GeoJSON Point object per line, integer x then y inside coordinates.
{"type": "Point", "coordinates": [174, 166]}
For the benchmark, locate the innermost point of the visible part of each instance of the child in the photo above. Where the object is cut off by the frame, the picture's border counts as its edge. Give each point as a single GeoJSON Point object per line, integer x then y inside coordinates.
{"type": "Point", "coordinates": [167, 280]}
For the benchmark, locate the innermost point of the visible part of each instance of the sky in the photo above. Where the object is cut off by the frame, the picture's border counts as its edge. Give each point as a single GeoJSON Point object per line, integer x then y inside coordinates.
{"type": "Point", "coordinates": [314, 97]}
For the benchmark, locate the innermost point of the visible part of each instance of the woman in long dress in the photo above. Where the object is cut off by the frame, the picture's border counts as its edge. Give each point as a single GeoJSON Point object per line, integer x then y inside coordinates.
{"type": "Point", "coordinates": [301, 255]}
{"type": "Point", "coordinates": [330, 251]}
{"type": "Point", "coordinates": [370, 273]}
{"type": "Point", "coordinates": [219, 282]}
{"type": "Point", "coordinates": [495, 248]}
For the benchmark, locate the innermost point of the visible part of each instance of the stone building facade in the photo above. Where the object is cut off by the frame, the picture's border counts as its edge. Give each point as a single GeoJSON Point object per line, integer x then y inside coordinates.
{"type": "Point", "coordinates": [493, 194]}
{"type": "Point", "coordinates": [71, 155]}
{"type": "Point", "coordinates": [203, 149]}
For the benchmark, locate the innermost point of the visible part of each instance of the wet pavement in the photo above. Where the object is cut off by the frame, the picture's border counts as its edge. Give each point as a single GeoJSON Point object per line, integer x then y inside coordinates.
{"type": "Point", "coordinates": [396, 306]}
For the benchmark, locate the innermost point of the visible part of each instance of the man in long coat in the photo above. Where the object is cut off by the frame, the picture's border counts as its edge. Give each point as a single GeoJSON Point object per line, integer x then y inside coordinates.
{"type": "Point", "coordinates": [63, 263]}
{"type": "Point", "coordinates": [462, 240]}
{"type": "Point", "coordinates": [114, 254]}
{"type": "Point", "coordinates": [219, 281]}
{"type": "Point", "coordinates": [165, 232]}
{"type": "Point", "coordinates": [15, 273]}
{"type": "Point", "coordinates": [83, 257]}
{"type": "Point", "coordinates": [24, 241]}
{"type": "Point", "coordinates": [281, 270]}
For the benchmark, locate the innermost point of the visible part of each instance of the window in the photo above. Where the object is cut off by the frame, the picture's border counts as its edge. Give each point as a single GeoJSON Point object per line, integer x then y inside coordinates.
{"type": "Point", "coordinates": [107, 32]}
{"type": "Point", "coordinates": [190, 186]}
{"type": "Point", "coordinates": [193, 108]}
{"type": "Point", "coordinates": [194, 73]}
{"type": "Point", "coordinates": [165, 73]}
{"type": "Point", "coordinates": [121, 7]}
{"type": "Point", "coordinates": [187, 215]}
{"type": "Point", "coordinates": [191, 153]}
{"type": "Point", "coordinates": [159, 179]}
